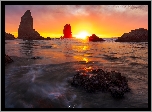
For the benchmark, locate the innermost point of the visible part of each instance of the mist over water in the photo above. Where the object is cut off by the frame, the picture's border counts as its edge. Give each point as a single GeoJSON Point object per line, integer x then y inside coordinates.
{"type": "Point", "coordinates": [44, 82]}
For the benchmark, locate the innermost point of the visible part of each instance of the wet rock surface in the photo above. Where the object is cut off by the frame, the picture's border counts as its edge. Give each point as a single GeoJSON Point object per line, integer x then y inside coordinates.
{"type": "Point", "coordinates": [7, 59]}
{"type": "Point", "coordinates": [93, 80]}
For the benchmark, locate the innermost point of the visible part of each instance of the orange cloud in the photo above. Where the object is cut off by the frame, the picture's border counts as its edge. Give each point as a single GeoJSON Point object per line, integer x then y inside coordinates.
{"type": "Point", "coordinates": [102, 20]}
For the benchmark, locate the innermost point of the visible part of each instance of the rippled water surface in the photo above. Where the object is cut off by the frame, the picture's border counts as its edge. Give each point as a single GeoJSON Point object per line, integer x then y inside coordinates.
{"type": "Point", "coordinates": [44, 82]}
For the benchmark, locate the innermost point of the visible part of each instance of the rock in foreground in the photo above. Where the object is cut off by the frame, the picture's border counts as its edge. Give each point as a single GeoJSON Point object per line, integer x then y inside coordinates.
{"type": "Point", "coordinates": [93, 80]}
{"type": "Point", "coordinates": [137, 35]}
{"type": "Point", "coordinates": [7, 59]}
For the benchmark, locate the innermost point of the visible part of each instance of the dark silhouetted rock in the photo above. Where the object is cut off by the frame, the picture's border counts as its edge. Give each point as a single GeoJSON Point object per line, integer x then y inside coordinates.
{"type": "Point", "coordinates": [48, 38]}
{"type": "Point", "coordinates": [93, 80]}
{"type": "Point", "coordinates": [61, 37]}
{"type": "Point", "coordinates": [25, 30]}
{"type": "Point", "coordinates": [95, 38]}
{"type": "Point", "coordinates": [7, 59]}
{"type": "Point", "coordinates": [137, 35]}
{"type": "Point", "coordinates": [67, 31]}
{"type": "Point", "coordinates": [9, 36]}
{"type": "Point", "coordinates": [46, 47]}
{"type": "Point", "coordinates": [36, 57]}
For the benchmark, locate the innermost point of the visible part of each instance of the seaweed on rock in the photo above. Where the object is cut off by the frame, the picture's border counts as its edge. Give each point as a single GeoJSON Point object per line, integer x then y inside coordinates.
{"type": "Point", "coordinates": [93, 80]}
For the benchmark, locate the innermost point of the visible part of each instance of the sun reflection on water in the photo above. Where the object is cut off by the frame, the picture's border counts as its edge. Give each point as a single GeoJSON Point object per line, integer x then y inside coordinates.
{"type": "Point", "coordinates": [84, 47]}
{"type": "Point", "coordinates": [86, 60]}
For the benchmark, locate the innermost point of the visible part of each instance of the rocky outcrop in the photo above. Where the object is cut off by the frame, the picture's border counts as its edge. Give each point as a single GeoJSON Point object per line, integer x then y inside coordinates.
{"type": "Point", "coordinates": [48, 38]}
{"type": "Point", "coordinates": [93, 80]}
{"type": "Point", "coordinates": [137, 35]}
{"type": "Point", "coordinates": [9, 36]}
{"type": "Point", "coordinates": [25, 30]}
{"type": "Point", "coordinates": [67, 31]}
{"type": "Point", "coordinates": [7, 59]}
{"type": "Point", "coordinates": [95, 38]}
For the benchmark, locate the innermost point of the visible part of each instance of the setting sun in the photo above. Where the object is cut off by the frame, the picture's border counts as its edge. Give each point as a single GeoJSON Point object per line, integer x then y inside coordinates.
{"type": "Point", "coordinates": [82, 35]}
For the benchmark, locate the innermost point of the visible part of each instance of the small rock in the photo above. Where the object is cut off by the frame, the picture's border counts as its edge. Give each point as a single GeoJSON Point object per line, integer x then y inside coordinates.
{"type": "Point", "coordinates": [7, 59]}
{"type": "Point", "coordinates": [36, 57]}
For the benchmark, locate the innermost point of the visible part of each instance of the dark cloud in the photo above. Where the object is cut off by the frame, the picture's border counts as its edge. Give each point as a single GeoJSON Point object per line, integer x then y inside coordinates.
{"type": "Point", "coordinates": [74, 10]}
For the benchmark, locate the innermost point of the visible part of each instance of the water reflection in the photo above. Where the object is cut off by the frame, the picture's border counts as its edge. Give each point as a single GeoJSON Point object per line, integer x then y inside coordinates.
{"type": "Point", "coordinates": [86, 60]}
{"type": "Point", "coordinates": [48, 80]}
{"type": "Point", "coordinates": [85, 47]}
{"type": "Point", "coordinates": [67, 48]}
{"type": "Point", "coordinates": [27, 47]}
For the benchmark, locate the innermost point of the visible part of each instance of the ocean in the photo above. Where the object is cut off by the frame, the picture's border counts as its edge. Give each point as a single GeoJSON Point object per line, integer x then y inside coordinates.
{"type": "Point", "coordinates": [44, 82]}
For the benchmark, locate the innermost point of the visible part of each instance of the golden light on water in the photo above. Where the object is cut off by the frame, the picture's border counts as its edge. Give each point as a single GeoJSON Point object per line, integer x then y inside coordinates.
{"type": "Point", "coordinates": [85, 47]}
{"type": "Point", "coordinates": [88, 68]}
{"type": "Point", "coordinates": [86, 60]}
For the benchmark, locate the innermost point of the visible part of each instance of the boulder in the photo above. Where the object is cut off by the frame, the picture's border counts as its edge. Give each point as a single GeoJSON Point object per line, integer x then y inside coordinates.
{"type": "Point", "coordinates": [93, 80]}
{"type": "Point", "coordinates": [95, 38]}
{"type": "Point", "coordinates": [7, 59]}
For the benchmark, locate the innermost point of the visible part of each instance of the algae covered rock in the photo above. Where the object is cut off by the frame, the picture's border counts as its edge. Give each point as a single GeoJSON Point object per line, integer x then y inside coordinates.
{"type": "Point", "coordinates": [93, 80]}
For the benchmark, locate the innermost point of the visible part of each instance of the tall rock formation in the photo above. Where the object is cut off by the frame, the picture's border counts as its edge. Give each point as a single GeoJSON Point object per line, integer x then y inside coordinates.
{"type": "Point", "coordinates": [9, 36]}
{"type": "Point", "coordinates": [67, 31]}
{"type": "Point", "coordinates": [25, 30]}
{"type": "Point", "coordinates": [137, 35]}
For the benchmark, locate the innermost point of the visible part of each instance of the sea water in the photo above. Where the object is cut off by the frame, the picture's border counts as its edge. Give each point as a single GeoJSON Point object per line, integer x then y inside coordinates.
{"type": "Point", "coordinates": [44, 82]}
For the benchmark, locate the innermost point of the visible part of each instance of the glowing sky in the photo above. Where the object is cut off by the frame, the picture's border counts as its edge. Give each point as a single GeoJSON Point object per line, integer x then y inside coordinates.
{"type": "Point", "coordinates": [102, 20]}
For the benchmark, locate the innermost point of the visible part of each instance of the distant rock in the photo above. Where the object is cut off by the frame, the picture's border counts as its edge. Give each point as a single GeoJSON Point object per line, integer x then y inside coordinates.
{"type": "Point", "coordinates": [9, 36]}
{"type": "Point", "coordinates": [25, 30]}
{"type": "Point", "coordinates": [95, 38]}
{"type": "Point", "coordinates": [61, 37]}
{"type": "Point", "coordinates": [48, 38]}
{"type": "Point", "coordinates": [7, 59]}
{"type": "Point", "coordinates": [67, 31]}
{"type": "Point", "coordinates": [137, 35]}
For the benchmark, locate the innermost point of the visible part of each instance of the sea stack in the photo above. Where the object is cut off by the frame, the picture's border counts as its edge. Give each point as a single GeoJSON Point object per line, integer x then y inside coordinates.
{"type": "Point", "coordinates": [67, 31]}
{"type": "Point", "coordinates": [25, 30]}
{"type": "Point", "coordinates": [9, 36]}
{"type": "Point", "coordinates": [137, 35]}
{"type": "Point", "coordinates": [95, 38]}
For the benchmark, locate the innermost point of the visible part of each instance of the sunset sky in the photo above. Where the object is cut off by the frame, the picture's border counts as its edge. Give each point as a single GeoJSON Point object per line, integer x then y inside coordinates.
{"type": "Point", "coordinates": [102, 20]}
